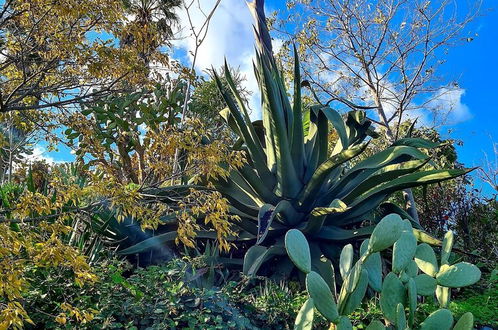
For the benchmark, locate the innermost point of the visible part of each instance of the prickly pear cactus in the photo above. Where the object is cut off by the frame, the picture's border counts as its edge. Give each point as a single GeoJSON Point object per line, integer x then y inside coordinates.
{"type": "Point", "coordinates": [415, 272]}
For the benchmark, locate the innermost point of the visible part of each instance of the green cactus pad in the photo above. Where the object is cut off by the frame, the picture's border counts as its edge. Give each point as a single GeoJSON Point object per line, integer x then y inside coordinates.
{"type": "Point", "coordinates": [446, 247]}
{"type": "Point", "coordinates": [346, 260]}
{"type": "Point", "coordinates": [400, 317]}
{"type": "Point", "coordinates": [393, 293]}
{"type": "Point", "coordinates": [458, 275]}
{"type": "Point", "coordinates": [412, 301]}
{"type": "Point", "coordinates": [376, 325]}
{"type": "Point", "coordinates": [387, 231]}
{"type": "Point", "coordinates": [412, 269]}
{"type": "Point", "coordinates": [298, 250]}
{"type": "Point", "coordinates": [373, 265]}
{"type": "Point", "coordinates": [426, 259]}
{"type": "Point", "coordinates": [353, 301]}
{"type": "Point", "coordinates": [322, 297]}
{"type": "Point", "coordinates": [439, 320]}
{"type": "Point", "coordinates": [344, 323]}
{"type": "Point", "coordinates": [304, 319]}
{"type": "Point", "coordinates": [403, 251]}
{"type": "Point", "coordinates": [426, 285]}
{"type": "Point", "coordinates": [466, 322]}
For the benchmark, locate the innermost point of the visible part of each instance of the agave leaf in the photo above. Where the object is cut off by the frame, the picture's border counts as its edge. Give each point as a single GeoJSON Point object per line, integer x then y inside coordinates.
{"type": "Point", "coordinates": [336, 119]}
{"type": "Point", "coordinates": [325, 168]}
{"type": "Point", "coordinates": [384, 174]}
{"type": "Point", "coordinates": [257, 255]}
{"type": "Point", "coordinates": [333, 233]}
{"type": "Point", "coordinates": [230, 121]}
{"type": "Point", "coordinates": [458, 275]}
{"type": "Point", "coordinates": [323, 266]}
{"type": "Point", "coordinates": [149, 243]}
{"type": "Point", "coordinates": [254, 147]}
{"type": "Point", "coordinates": [410, 181]}
{"type": "Point", "coordinates": [286, 172]}
{"type": "Point", "coordinates": [266, 215]}
{"type": "Point", "coordinates": [417, 143]}
{"type": "Point", "coordinates": [439, 320]}
{"type": "Point", "coordinates": [304, 319]}
{"type": "Point", "coordinates": [297, 146]}
{"type": "Point", "coordinates": [298, 250]}
{"type": "Point", "coordinates": [426, 259]}
{"type": "Point", "coordinates": [337, 206]}
{"type": "Point", "coordinates": [322, 296]}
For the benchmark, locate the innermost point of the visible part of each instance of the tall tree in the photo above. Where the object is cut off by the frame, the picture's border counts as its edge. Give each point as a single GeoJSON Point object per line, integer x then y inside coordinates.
{"type": "Point", "coordinates": [383, 54]}
{"type": "Point", "coordinates": [60, 53]}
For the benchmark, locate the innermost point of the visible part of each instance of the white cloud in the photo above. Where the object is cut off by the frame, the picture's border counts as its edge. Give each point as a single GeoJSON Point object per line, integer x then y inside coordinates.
{"type": "Point", "coordinates": [449, 103]}
{"type": "Point", "coordinates": [230, 35]}
{"type": "Point", "coordinates": [40, 153]}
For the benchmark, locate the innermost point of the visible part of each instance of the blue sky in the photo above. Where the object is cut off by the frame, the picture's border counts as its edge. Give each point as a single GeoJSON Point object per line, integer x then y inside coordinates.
{"type": "Point", "coordinates": [475, 64]}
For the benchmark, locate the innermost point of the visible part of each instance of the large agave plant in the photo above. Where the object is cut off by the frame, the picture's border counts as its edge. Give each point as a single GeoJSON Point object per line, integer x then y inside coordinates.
{"type": "Point", "coordinates": [294, 179]}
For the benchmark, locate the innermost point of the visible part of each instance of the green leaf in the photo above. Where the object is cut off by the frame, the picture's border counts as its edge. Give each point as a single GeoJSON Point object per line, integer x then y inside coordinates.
{"type": "Point", "coordinates": [426, 285]}
{"type": "Point", "coordinates": [466, 322]}
{"type": "Point", "coordinates": [439, 320]}
{"type": "Point", "coordinates": [410, 181]}
{"type": "Point", "coordinates": [393, 293]}
{"type": "Point", "coordinates": [149, 243]}
{"type": "Point", "coordinates": [325, 168]}
{"type": "Point", "coordinates": [386, 233]}
{"type": "Point", "coordinates": [298, 250]}
{"type": "Point", "coordinates": [426, 259]}
{"type": "Point", "coordinates": [458, 275]}
{"type": "Point", "coordinates": [322, 297]}
{"type": "Point", "coordinates": [304, 319]}
{"type": "Point", "coordinates": [297, 140]}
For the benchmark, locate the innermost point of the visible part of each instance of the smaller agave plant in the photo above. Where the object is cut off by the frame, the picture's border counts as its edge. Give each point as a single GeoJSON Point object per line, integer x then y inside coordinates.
{"type": "Point", "coordinates": [399, 289]}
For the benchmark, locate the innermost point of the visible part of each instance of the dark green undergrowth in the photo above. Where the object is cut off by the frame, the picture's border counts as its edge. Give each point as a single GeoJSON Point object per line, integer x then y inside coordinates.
{"type": "Point", "coordinates": [183, 294]}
